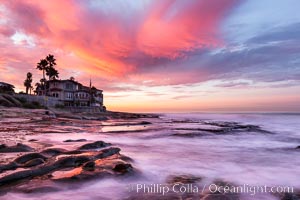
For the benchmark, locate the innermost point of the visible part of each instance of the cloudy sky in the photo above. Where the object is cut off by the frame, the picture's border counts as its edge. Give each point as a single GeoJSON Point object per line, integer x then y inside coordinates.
{"type": "Point", "coordinates": [166, 56]}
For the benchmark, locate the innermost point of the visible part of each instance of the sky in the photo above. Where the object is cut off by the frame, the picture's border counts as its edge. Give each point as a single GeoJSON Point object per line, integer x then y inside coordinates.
{"type": "Point", "coordinates": [161, 56]}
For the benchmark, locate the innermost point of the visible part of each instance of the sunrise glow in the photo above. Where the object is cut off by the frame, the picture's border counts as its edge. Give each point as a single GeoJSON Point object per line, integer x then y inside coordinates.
{"type": "Point", "coordinates": [161, 56]}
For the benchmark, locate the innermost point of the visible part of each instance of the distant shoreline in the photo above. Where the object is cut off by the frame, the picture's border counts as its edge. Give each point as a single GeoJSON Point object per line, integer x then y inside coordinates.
{"type": "Point", "coordinates": [63, 113]}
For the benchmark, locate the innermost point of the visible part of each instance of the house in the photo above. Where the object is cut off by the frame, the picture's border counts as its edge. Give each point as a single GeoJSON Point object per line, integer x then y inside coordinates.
{"type": "Point", "coordinates": [71, 93]}
{"type": "Point", "coordinates": [6, 88]}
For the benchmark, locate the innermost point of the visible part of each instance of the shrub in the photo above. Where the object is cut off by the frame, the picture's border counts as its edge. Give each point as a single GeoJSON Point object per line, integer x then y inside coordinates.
{"type": "Point", "coordinates": [32, 105]}
{"type": "Point", "coordinates": [22, 99]}
{"type": "Point", "coordinates": [59, 106]}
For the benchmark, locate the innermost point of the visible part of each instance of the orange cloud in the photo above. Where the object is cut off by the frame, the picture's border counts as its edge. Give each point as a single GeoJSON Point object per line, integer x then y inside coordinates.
{"type": "Point", "coordinates": [114, 43]}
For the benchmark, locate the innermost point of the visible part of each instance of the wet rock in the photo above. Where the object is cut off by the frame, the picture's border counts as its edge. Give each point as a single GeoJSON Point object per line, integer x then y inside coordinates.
{"type": "Point", "coordinates": [53, 151]}
{"type": "Point", "coordinates": [63, 123]}
{"type": "Point", "coordinates": [34, 162]}
{"type": "Point", "coordinates": [89, 166]}
{"type": "Point", "coordinates": [24, 161]}
{"type": "Point", "coordinates": [79, 140]}
{"type": "Point", "coordinates": [212, 130]}
{"type": "Point", "coordinates": [145, 123]}
{"type": "Point", "coordinates": [9, 166]}
{"type": "Point", "coordinates": [94, 145]}
{"type": "Point", "coordinates": [123, 168]}
{"type": "Point", "coordinates": [183, 179]}
{"type": "Point", "coordinates": [31, 173]}
{"type": "Point", "coordinates": [71, 161]}
{"type": "Point", "coordinates": [102, 118]}
{"type": "Point", "coordinates": [81, 165]}
{"type": "Point", "coordinates": [58, 151]}
{"type": "Point", "coordinates": [290, 196]}
{"type": "Point", "coordinates": [107, 152]}
{"type": "Point", "coordinates": [38, 189]}
{"type": "Point", "coordinates": [190, 135]}
{"type": "Point", "coordinates": [17, 148]}
{"type": "Point", "coordinates": [219, 128]}
{"type": "Point", "coordinates": [27, 157]}
{"type": "Point", "coordinates": [65, 162]}
{"type": "Point", "coordinates": [183, 121]}
{"type": "Point", "coordinates": [126, 158]}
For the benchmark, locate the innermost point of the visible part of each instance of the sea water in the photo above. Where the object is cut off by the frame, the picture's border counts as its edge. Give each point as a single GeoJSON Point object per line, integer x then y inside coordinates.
{"type": "Point", "coordinates": [158, 152]}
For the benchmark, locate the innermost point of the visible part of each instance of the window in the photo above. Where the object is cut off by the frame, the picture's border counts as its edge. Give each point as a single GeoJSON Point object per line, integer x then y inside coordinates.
{"type": "Point", "coordinates": [69, 95]}
{"type": "Point", "coordinates": [69, 86]}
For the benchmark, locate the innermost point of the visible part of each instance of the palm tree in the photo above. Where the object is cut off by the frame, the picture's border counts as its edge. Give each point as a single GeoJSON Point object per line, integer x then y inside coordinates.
{"type": "Point", "coordinates": [47, 66]}
{"type": "Point", "coordinates": [42, 65]}
{"type": "Point", "coordinates": [30, 89]}
{"type": "Point", "coordinates": [38, 87]}
{"type": "Point", "coordinates": [28, 81]}
{"type": "Point", "coordinates": [51, 60]}
{"type": "Point", "coordinates": [52, 73]}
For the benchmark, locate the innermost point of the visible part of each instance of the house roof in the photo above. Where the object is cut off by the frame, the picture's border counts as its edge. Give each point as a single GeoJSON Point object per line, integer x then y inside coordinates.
{"type": "Point", "coordinates": [74, 82]}
{"type": "Point", "coordinates": [67, 80]}
{"type": "Point", "coordinates": [6, 84]}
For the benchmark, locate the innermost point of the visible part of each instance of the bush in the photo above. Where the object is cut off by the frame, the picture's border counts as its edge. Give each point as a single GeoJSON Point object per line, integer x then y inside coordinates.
{"type": "Point", "coordinates": [28, 105]}
{"type": "Point", "coordinates": [36, 103]}
{"type": "Point", "coordinates": [22, 99]}
{"type": "Point", "coordinates": [59, 106]}
{"type": "Point", "coordinates": [33, 105]}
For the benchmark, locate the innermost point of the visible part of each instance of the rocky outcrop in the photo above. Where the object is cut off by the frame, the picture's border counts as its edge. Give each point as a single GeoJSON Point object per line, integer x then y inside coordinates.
{"type": "Point", "coordinates": [16, 148]}
{"type": "Point", "coordinates": [94, 145]}
{"type": "Point", "coordinates": [46, 164]}
{"type": "Point", "coordinates": [123, 168]}
{"type": "Point", "coordinates": [78, 140]}
{"type": "Point", "coordinates": [183, 179]}
{"type": "Point", "coordinates": [217, 128]}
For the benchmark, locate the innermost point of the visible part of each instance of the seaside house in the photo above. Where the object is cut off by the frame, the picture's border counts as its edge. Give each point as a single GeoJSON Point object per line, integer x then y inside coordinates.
{"type": "Point", "coordinates": [6, 88]}
{"type": "Point", "coordinates": [71, 93]}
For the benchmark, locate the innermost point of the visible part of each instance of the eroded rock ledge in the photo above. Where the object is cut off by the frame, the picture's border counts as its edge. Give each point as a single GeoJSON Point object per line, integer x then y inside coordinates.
{"type": "Point", "coordinates": [88, 161]}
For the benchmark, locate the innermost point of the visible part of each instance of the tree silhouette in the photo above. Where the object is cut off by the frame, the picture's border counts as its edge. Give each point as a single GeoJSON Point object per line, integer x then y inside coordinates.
{"type": "Point", "coordinates": [47, 66]}
{"type": "Point", "coordinates": [42, 65]}
{"type": "Point", "coordinates": [27, 82]}
{"type": "Point", "coordinates": [38, 86]}
{"type": "Point", "coordinates": [51, 60]}
{"type": "Point", "coordinates": [52, 73]}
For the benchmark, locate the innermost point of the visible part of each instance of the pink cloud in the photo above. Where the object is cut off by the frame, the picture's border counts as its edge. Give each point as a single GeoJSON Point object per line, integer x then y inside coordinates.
{"type": "Point", "coordinates": [175, 27]}
{"type": "Point", "coordinates": [113, 45]}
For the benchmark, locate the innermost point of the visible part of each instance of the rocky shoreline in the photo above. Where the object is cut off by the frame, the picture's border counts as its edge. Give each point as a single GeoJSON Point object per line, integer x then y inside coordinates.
{"type": "Point", "coordinates": [28, 165]}
{"type": "Point", "coordinates": [44, 151]}
{"type": "Point", "coordinates": [90, 160]}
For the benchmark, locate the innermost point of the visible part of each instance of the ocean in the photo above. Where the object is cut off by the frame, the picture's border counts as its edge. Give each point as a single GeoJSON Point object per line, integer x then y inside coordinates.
{"type": "Point", "coordinates": [248, 150]}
